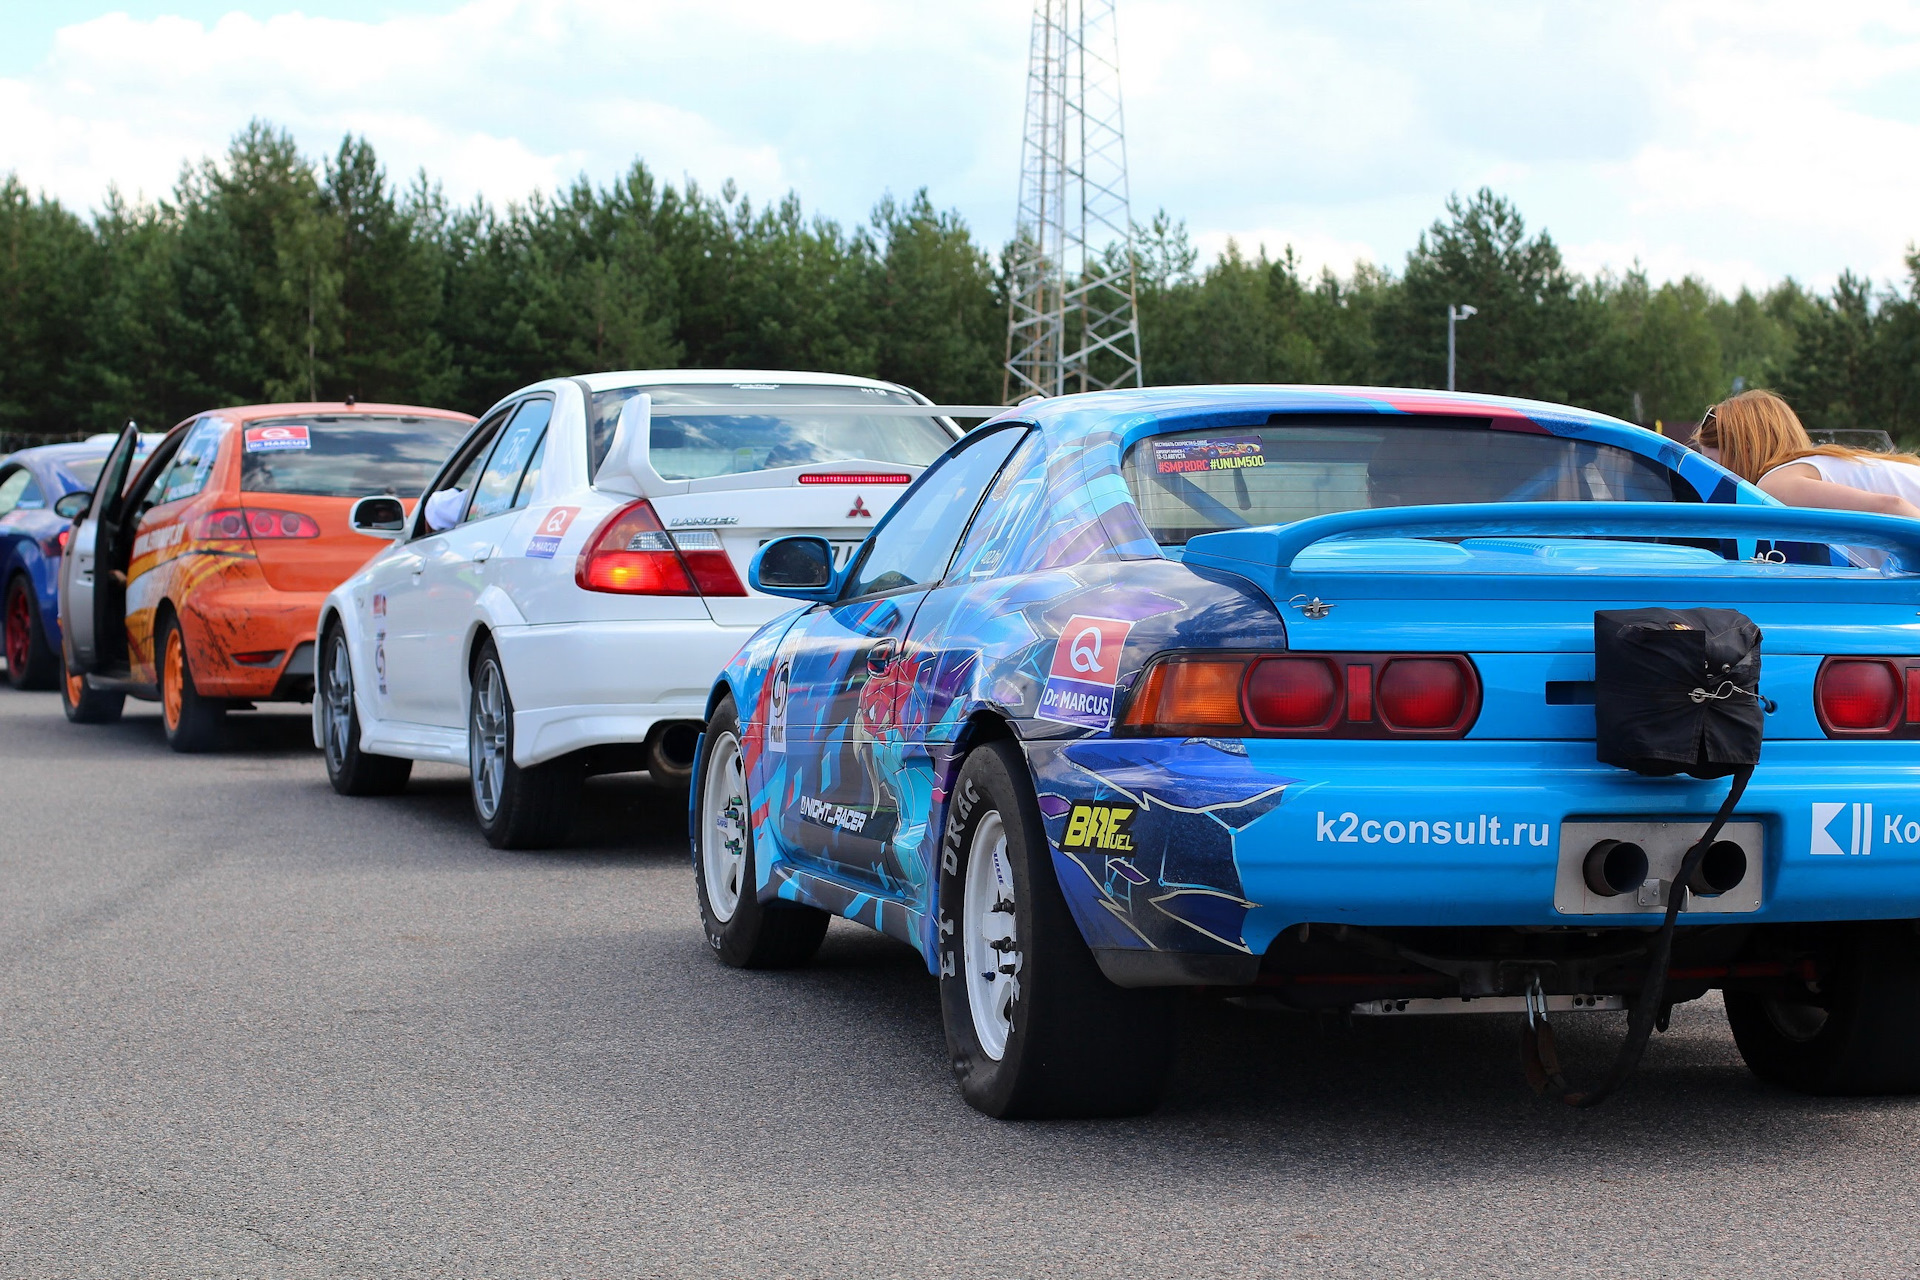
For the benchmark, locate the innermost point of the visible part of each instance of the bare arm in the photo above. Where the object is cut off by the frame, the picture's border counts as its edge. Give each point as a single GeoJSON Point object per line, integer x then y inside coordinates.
{"type": "Point", "coordinates": [1799, 485]}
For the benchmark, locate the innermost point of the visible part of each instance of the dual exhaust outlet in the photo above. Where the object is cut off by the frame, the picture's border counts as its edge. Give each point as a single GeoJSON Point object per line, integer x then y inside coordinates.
{"type": "Point", "coordinates": [1614, 867]}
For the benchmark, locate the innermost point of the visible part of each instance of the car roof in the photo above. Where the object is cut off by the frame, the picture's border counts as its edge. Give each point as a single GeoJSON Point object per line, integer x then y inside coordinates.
{"type": "Point", "coordinates": [728, 377]}
{"type": "Point", "coordinates": [74, 450]}
{"type": "Point", "coordinates": [247, 412]}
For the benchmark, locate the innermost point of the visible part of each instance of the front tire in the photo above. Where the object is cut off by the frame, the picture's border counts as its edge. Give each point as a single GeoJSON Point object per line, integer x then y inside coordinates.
{"type": "Point", "coordinates": [192, 722]}
{"type": "Point", "coordinates": [743, 931]}
{"type": "Point", "coordinates": [85, 704]}
{"type": "Point", "coordinates": [1859, 1035]}
{"type": "Point", "coordinates": [1034, 1028]}
{"type": "Point", "coordinates": [517, 808]}
{"type": "Point", "coordinates": [32, 663]}
{"type": "Point", "coordinates": [352, 772]}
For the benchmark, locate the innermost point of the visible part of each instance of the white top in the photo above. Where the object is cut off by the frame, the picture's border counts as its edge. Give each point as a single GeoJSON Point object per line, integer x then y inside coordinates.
{"type": "Point", "coordinates": [1875, 475]}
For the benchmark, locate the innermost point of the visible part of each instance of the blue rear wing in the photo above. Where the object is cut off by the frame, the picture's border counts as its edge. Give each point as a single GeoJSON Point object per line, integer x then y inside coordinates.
{"type": "Point", "coordinates": [1269, 553]}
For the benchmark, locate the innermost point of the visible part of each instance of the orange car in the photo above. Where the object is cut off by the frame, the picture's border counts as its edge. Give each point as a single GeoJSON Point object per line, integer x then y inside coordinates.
{"type": "Point", "coordinates": [198, 583]}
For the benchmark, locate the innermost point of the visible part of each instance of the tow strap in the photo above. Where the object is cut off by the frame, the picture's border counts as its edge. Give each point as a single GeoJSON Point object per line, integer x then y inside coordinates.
{"type": "Point", "coordinates": [1675, 691]}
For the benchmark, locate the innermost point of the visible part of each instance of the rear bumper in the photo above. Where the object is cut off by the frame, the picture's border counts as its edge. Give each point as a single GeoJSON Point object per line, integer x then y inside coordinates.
{"type": "Point", "coordinates": [1219, 851]}
{"type": "Point", "coordinates": [587, 684]}
{"type": "Point", "coordinates": [252, 618]}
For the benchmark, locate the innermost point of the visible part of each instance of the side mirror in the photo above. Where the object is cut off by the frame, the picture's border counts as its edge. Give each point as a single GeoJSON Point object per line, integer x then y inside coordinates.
{"type": "Point", "coordinates": [71, 506]}
{"type": "Point", "coordinates": [799, 568]}
{"type": "Point", "coordinates": [380, 517]}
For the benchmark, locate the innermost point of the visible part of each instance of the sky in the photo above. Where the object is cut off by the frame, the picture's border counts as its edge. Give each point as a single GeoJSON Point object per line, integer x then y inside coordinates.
{"type": "Point", "coordinates": [1738, 140]}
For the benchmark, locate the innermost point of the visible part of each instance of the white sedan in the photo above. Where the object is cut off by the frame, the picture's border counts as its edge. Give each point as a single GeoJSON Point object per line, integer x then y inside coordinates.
{"type": "Point", "coordinates": [560, 602]}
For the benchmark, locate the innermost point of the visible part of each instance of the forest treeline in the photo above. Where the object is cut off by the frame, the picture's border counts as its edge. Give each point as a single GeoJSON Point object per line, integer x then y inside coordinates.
{"type": "Point", "coordinates": [268, 276]}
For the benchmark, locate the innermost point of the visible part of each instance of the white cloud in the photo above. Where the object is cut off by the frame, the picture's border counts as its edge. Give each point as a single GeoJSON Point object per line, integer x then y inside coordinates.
{"type": "Point", "coordinates": [1741, 140]}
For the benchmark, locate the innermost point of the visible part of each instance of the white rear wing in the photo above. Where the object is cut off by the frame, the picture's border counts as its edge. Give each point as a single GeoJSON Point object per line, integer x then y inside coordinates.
{"type": "Point", "coordinates": [628, 468]}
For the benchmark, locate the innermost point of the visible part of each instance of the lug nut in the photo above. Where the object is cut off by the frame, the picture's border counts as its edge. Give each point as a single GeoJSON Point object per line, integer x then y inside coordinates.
{"type": "Point", "coordinates": [1614, 867]}
{"type": "Point", "coordinates": [1723, 867]}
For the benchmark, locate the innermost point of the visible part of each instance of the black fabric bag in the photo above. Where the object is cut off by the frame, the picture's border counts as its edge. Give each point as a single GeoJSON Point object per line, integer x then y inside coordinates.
{"type": "Point", "coordinates": [1677, 691]}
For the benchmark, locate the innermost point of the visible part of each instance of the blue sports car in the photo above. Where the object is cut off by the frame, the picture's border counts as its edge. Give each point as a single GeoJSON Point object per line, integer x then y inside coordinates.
{"type": "Point", "coordinates": [31, 537]}
{"type": "Point", "coordinates": [1308, 695]}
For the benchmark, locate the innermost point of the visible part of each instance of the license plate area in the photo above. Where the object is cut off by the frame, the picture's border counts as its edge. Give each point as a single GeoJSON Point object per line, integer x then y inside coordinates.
{"type": "Point", "coordinates": [1666, 843]}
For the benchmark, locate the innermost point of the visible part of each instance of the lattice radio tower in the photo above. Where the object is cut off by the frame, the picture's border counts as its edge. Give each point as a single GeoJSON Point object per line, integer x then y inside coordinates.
{"type": "Point", "coordinates": [1073, 325]}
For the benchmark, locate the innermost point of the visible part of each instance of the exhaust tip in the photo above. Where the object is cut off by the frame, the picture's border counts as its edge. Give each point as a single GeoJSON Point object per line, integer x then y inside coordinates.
{"type": "Point", "coordinates": [670, 751]}
{"type": "Point", "coordinates": [1723, 866]}
{"type": "Point", "coordinates": [1614, 867]}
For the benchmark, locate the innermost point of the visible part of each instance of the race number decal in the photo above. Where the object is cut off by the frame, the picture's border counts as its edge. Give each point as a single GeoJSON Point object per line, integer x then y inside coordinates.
{"type": "Point", "coordinates": [545, 543]}
{"type": "Point", "coordinates": [1086, 666]}
{"type": "Point", "coordinates": [277, 439]}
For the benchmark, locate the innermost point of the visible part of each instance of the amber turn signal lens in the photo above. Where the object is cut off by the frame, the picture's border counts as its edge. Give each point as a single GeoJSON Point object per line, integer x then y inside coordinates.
{"type": "Point", "coordinates": [1197, 693]}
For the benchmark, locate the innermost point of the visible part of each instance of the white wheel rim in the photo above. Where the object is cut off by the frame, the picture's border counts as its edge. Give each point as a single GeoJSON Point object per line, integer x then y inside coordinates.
{"type": "Point", "coordinates": [487, 740]}
{"type": "Point", "coordinates": [723, 827]}
{"type": "Point", "coordinates": [987, 922]}
{"type": "Point", "coordinates": [339, 702]}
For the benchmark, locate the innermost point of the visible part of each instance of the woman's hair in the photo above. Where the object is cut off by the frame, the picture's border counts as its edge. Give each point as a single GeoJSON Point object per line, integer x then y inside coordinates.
{"type": "Point", "coordinates": [1757, 431]}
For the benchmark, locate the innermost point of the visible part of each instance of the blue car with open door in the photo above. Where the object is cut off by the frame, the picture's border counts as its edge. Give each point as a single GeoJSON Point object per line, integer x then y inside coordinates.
{"type": "Point", "coordinates": [1314, 696]}
{"type": "Point", "coordinates": [32, 535]}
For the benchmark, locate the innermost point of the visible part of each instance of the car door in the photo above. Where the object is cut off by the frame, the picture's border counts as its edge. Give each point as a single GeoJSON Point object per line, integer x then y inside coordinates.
{"type": "Point", "coordinates": [843, 680]}
{"type": "Point", "coordinates": [81, 601]}
{"type": "Point", "coordinates": [416, 609]}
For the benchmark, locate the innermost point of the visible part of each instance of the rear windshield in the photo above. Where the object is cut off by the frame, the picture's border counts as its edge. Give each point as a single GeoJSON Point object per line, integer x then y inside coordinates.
{"type": "Point", "coordinates": [345, 457]}
{"type": "Point", "coordinates": [1197, 482]}
{"type": "Point", "coordinates": [761, 437]}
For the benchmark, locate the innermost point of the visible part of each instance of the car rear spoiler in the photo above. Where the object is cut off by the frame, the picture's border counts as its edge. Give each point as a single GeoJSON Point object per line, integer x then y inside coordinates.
{"type": "Point", "coordinates": [628, 468]}
{"type": "Point", "coordinates": [1276, 547]}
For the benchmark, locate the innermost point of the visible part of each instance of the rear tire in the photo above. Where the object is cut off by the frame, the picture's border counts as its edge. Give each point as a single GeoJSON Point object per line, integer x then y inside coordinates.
{"type": "Point", "coordinates": [192, 723]}
{"type": "Point", "coordinates": [32, 663]}
{"type": "Point", "coordinates": [85, 705]}
{"type": "Point", "coordinates": [1034, 1028]}
{"type": "Point", "coordinates": [530, 808]}
{"type": "Point", "coordinates": [1862, 1037]}
{"type": "Point", "coordinates": [742, 930]}
{"type": "Point", "coordinates": [352, 772]}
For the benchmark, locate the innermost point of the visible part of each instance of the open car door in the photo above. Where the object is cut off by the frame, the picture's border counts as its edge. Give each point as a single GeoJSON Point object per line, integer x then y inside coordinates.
{"type": "Point", "coordinates": [86, 593]}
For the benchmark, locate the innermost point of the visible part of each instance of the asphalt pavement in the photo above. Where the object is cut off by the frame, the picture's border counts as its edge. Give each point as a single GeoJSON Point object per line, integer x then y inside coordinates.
{"type": "Point", "coordinates": [251, 1028]}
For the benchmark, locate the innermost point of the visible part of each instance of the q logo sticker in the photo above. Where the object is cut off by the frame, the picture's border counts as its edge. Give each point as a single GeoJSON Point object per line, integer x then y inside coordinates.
{"type": "Point", "coordinates": [1086, 666]}
{"type": "Point", "coordinates": [543, 545]}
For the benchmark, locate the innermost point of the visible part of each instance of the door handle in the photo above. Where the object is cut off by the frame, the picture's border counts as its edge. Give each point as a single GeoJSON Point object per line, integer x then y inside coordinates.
{"type": "Point", "coordinates": [484, 554]}
{"type": "Point", "coordinates": [880, 654]}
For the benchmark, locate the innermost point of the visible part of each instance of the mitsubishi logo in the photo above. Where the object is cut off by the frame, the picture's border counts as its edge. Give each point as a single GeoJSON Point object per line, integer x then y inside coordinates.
{"type": "Point", "coordinates": [859, 509]}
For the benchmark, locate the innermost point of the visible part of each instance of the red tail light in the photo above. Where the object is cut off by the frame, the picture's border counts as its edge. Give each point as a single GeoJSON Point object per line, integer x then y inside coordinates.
{"type": "Point", "coordinates": [1348, 695]}
{"type": "Point", "coordinates": [631, 553]}
{"type": "Point", "coordinates": [1293, 693]}
{"type": "Point", "coordinates": [233, 523]}
{"type": "Point", "coordinates": [1858, 695]}
{"type": "Point", "coordinates": [1422, 693]}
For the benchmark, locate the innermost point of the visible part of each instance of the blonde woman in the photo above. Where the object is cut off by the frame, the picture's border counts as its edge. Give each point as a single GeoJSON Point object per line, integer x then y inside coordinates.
{"type": "Point", "coordinates": [1758, 437]}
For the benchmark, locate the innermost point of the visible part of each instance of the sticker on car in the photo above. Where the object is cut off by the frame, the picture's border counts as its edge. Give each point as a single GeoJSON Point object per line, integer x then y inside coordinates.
{"type": "Point", "coordinates": [1086, 666]}
{"type": "Point", "coordinates": [277, 439]}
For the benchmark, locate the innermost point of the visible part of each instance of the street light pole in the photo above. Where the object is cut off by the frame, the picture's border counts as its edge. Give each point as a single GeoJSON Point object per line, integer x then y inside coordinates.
{"type": "Point", "coordinates": [1454, 315]}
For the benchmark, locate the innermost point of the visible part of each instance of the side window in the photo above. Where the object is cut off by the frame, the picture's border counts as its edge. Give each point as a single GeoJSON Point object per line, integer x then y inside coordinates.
{"type": "Point", "coordinates": [914, 545]}
{"type": "Point", "coordinates": [531, 476]}
{"type": "Point", "coordinates": [193, 463]}
{"type": "Point", "coordinates": [1004, 518]}
{"type": "Point", "coordinates": [31, 499]}
{"type": "Point", "coordinates": [446, 497]}
{"type": "Point", "coordinates": [13, 488]}
{"type": "Point", "coordinates": [493, 494]}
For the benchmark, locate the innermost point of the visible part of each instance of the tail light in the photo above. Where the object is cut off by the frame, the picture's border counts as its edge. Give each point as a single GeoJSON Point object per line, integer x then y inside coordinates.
{"type": "Point", "coordinates": [234, 523]}
{"type": "Point", "coordinates": [631, 553]}
{"type": "Point", "coordinates": [55, 545]}
{"type": "Point", "coordinates": [1352, 695]}
{"type": "Point", "coordinates": [1868, 696]}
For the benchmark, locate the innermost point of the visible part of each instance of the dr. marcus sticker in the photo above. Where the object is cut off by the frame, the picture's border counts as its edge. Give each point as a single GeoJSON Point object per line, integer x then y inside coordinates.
{"type": "Point", "coordinates": [1086, 666]}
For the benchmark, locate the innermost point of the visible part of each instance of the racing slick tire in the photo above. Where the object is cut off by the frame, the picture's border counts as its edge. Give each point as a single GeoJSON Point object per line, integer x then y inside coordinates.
{"type": "Point", "coordinates": [352, 772]}
{"type": "Point", "coordinates": [31, 661]}
{"type": "Point", "coordinates": [1862, 1038]}
{"type": "Point", "coordinates": [517, 808]}
{"type": "Point", "coordinates": [743, 931]}
{"type": "Point", "coordinates": [1035, 1030]}
{"type": "Point", "coordinates": [192, 723]}
{"type": "Point", "coordinates": [85, 704]}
